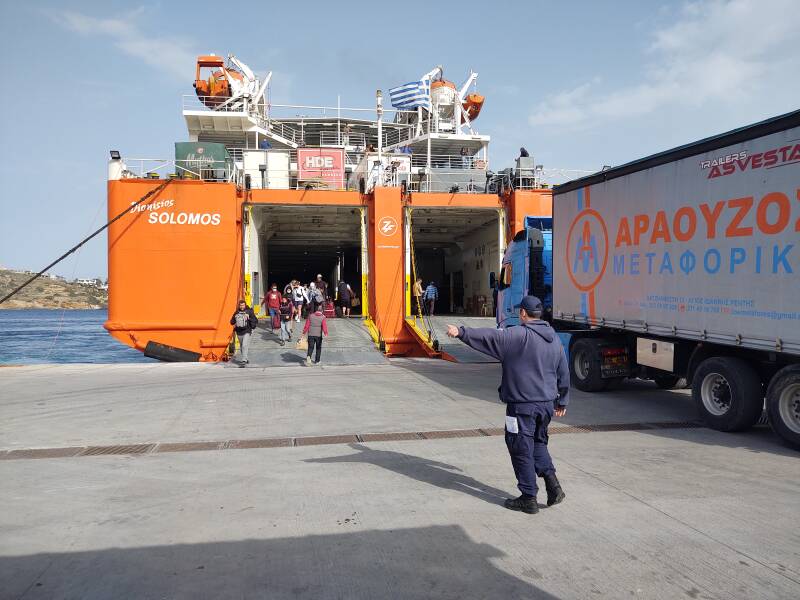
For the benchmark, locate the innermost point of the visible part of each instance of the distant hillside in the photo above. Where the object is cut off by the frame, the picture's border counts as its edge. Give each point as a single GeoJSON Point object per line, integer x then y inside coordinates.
{"type": "Point", "coordinates": [49, 293]}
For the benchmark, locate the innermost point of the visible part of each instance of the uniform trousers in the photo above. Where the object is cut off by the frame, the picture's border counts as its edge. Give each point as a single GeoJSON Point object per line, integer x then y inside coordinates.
{"type": "Point", "coordinates": [528, 448]}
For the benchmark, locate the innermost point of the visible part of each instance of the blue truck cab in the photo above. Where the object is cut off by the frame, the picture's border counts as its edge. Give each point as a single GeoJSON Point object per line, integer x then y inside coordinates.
{"type": "Point", "coordinates": [527, 268]}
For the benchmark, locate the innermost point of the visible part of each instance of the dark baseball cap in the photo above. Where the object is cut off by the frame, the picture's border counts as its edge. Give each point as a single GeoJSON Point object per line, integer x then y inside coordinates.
{"type": "Point", "coordinates": [530, 304]}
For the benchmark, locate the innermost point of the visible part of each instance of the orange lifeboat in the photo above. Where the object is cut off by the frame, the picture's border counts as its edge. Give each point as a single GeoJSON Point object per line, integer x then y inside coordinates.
{"type": "Point", "coordinates": [442, 83]}
{"type": "Point", "coordinates": [443, 92]}
{"type": "Point", "coordinates": [216, 88]}
{"type": "Point", "coordinates": [472, 105]}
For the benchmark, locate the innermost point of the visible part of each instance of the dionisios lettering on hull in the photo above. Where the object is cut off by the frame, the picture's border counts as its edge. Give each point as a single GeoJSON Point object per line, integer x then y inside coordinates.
{"type": "Point", "coordinates": [158, 217]}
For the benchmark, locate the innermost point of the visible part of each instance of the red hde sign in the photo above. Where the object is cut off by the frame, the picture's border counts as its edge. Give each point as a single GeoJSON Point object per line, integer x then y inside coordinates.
{"type": "Point", "coordinates": [322, 164]}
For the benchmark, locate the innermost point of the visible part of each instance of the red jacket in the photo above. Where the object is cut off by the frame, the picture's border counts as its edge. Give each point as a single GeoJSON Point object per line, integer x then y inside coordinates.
{"type": "Point", "coordinates": [272, 299]}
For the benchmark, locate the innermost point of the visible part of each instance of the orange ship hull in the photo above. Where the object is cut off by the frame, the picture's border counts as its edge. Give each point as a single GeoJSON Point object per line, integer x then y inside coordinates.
{"type": "Point", "coordinates": [176, 264]}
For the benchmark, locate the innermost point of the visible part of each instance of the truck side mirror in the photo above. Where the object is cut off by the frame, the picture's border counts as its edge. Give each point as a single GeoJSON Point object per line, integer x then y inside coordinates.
{"type": "Point", "coordinates": [492, 280]}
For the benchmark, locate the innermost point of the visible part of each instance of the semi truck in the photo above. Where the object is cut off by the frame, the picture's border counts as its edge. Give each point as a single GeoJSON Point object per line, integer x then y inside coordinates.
{"type": "Point", "coordinates": [682, 268]}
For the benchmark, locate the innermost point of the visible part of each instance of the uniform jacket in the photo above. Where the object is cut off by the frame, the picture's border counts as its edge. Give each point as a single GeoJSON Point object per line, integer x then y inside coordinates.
{"type": "Point", "coordinates": [534, 365]}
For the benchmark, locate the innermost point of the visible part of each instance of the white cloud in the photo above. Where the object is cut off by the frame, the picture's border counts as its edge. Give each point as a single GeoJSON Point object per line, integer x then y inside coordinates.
{"type": "Point", "coordinates": [719, 51]}
{"type": "Point", "coordinates": [169, 54]}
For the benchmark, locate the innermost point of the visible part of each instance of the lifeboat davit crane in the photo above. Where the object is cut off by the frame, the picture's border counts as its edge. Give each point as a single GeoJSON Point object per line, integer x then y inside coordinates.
{"type": "Point", "coordinates": [448, 99]}
{"type": "Point", "coordinates": [227, 84]}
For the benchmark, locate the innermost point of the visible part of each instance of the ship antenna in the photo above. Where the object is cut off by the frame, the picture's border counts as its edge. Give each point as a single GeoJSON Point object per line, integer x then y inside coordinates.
{"type": "Point", "coordinates": [149, 194]}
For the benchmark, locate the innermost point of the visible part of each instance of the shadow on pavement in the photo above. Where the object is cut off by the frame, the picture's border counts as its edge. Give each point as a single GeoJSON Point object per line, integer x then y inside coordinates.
{"type": "Point", "coordinates": [758, 440]}
{"type": "Point", "coordinates": [298, 359]}
{"type": "Point", "coordinates": [425, 562]}
{"type": "Point", "coordinates": [425, 470]}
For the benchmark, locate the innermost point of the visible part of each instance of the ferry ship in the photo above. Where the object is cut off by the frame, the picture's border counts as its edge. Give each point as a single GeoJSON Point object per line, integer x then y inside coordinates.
{"type": "Point", "coordinates": [380, 197]}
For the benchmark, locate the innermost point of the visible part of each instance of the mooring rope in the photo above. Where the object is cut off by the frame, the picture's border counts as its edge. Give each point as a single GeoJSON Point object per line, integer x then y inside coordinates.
{"type": "Point", "coordinates": [71, 250]}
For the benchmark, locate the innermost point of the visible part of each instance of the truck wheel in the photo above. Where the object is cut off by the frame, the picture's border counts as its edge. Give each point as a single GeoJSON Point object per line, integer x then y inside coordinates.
{"type": "Point", "coordinates": [728, 394]}
{"type": "Point", "coordinates": [783, 404]}
{"type": "Point", "coordinates": [584, 365]}
{"type": "Point", "coordinates": [669, 382]}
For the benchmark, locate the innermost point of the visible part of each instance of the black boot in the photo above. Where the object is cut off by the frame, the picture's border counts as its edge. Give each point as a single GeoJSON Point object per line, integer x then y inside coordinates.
{"type": "Point", "coordinates": [524, 503]}
{"type": "Point", "coordinates": [554, 492]}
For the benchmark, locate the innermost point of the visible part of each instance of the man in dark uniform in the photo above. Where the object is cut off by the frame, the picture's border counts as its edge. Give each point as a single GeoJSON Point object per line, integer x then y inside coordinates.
{"type": "Point", "coordinates": [534, 387]}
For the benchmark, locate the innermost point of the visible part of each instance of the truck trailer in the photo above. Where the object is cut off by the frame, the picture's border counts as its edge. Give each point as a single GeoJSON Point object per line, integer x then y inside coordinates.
{"type": "Point", "coordinates": [683, 268]}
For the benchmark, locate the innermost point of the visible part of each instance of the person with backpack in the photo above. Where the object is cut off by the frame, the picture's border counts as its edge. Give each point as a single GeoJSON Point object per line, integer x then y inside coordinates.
{"type": "Point", "coordinates": [315, 297]}
{"type": "Point", "coordinates": [272, 302]}
{"type": "Point", "coordinates": [316, 326]}
{"type": "Point", "coordinates": [430, 297]}
{"type": "Point", "coordinates": [322, 286]}
{"type": "Point", "coordinates": [244, 321]}
{"type": "Point", "coordinates": [286, 315]}
{"type": "Point", "coordinates": [345, 293]}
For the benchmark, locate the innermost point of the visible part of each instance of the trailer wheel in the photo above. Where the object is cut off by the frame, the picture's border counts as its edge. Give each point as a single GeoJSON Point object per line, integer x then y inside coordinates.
{"type": "Point", "coordinates": [783, 404]}
{"type": "Point", "coordinates": [584, 366]}
{"type": "Point", "coordinates": [728, 394]}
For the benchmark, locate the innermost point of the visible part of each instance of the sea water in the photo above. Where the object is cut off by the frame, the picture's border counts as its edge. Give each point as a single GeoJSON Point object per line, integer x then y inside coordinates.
{"type": "Point", "coordinates": [60, 336]}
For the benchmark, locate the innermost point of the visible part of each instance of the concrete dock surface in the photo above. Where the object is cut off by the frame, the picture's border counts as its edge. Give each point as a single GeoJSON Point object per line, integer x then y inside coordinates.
{"type": "Point", "coordinates": [374, 481]}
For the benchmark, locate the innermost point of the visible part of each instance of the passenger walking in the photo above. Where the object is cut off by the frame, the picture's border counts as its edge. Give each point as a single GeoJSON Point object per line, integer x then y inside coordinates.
{"type": "Point", "coordinates": [244, 321]}
{"type": "Point", "coordinates": [315, 298]}
{"type": "Point", "coordinates": [286, 316]}
{"type": "Point", "coordinates": [316, 326]}
{"type": "Point", "coordinates": [345, 298]}
{"type": "Point", "coordinates": [322, 286]}
{"type": "Point", "coordinates": [272, 302]}
{"type": "Point", "coordinates": [534, 387]}
{"type": "Point", "coordinates": [298, 298]}
{"type": "Point", "coordinates": [431, 296]}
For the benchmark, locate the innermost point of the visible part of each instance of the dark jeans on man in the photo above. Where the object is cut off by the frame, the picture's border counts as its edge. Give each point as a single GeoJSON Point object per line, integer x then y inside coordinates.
{"type": "Point", "coordinates": [528, 448]}
{"type": "Point", "coordinates": [315, 341]}
{"type": "Point", "coordinates": [430, 304]}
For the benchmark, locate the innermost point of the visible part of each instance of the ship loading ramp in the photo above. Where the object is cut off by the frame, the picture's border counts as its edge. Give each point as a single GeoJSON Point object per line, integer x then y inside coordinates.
{"type": "Point", "coordinates": [288, 242]}
{"type": "Point", "coordinates": [348, 343]}
{"type": "Point", "coordinates": [456, 249]}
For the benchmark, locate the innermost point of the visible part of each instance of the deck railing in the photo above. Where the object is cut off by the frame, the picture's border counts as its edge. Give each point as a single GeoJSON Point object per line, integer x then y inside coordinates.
{"type": "Point", "coordinates": [342, 138]}
{"type": "Point", "coordinates": [159, 168]}
{"type": "Point", "coordinates": [449, 161]}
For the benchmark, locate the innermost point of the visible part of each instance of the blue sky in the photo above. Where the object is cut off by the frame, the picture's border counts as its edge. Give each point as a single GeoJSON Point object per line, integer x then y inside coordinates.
{"type": "Point", "coordinates": [580, 84]}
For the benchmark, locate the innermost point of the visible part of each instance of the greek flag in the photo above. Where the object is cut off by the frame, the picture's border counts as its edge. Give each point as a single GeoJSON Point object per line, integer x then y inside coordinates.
{"type": "Point", "coordinates": [412, 95]}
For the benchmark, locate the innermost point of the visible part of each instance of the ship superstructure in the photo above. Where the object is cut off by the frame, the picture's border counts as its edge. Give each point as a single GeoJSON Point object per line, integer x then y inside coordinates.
{"type": "Point", "coordinates": [264, 192]}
